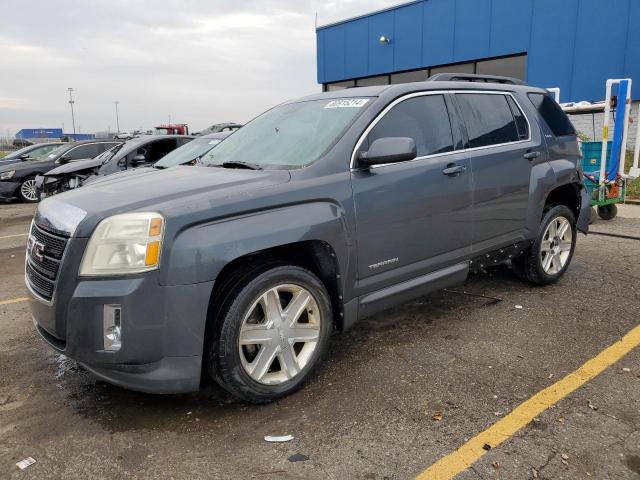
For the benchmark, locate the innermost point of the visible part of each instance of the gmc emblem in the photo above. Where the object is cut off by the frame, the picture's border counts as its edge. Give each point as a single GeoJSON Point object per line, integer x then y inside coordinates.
{"type": "Point", "coordinates": [35, 248]}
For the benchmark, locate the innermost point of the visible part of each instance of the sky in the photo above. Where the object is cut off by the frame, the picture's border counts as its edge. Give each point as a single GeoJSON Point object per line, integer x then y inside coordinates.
{"type": "Point", "coordinates": [198, 61]}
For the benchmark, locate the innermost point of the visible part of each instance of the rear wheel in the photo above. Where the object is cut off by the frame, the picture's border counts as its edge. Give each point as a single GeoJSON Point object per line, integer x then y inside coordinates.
{"type": "Point", "coordinates": [551, 253]}
{"type": "Point", "coordinates": [28, 191]}
{"type": "Point", "coordinates": [608, 212]}
{"type": "Point", "coordinates": [273, 330]}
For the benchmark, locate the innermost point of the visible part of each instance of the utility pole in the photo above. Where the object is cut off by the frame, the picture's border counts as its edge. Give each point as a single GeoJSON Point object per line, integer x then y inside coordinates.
{"type": "Point", "coordinates": [71, 102]}
{"type": "Point", "coordinates": [117, 119]}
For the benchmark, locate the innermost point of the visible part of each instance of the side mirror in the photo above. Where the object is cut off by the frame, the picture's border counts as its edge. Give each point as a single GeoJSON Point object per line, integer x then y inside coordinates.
{"type": "Point", "coordinates": [389, 150]}
{"type": "Point", "coordinates": [138, 159]}
{"type": "Point", "coordinates": [24, 156]}
{"type": "Point", "coordinates": [64, 159]}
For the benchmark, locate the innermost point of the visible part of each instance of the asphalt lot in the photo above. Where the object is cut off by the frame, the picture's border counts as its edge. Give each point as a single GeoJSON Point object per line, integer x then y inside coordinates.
{"type": "Point", "coordinates": [398, 392]}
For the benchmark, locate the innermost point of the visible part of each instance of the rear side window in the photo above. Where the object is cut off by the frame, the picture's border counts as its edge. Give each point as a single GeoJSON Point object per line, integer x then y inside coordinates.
{"type": "Point", "coordinates": [552, 114]}
{"type": "Point", "coordinates": [89, 150]}
{"type": "Point", "coordinates": [488, 119]}
{"type": "Point", "coordinates": [424, 118]}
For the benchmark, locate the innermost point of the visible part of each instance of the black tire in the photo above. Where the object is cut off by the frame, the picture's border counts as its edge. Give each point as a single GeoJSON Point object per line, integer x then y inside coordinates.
{"type": "Point", "coordinates": [224, 364]}
{"type": "Point", "coordinates": [528, 266]}
{"type": "Point", "coordinates": [23, 185]}
{"type": "Point", "coordinates": [608, 212]}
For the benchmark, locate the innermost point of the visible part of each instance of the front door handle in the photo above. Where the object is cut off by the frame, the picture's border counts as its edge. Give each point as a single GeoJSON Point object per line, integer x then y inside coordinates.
{"type": "Point", "coordinates": [452, 169]}
{"type": "Point", "coordinates": [531, 155]}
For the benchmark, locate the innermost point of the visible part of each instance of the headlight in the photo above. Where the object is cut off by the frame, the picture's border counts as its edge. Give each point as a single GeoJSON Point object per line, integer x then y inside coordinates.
{"type": "Point", "coordinates": [127, 243]}
{"type": "Point", "coordinates": [7, 175]}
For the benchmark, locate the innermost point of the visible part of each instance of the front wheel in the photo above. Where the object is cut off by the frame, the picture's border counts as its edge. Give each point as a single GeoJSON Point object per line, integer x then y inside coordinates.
{"type": "Point", "coordinates": [551, 253]}
{"type": "Point", "coordinates": [273, 330]}
{"type": "Point", "coordinates": [28, 192]}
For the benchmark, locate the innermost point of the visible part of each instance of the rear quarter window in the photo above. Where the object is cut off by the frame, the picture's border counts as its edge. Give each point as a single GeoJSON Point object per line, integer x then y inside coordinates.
{"type": "Point", "coordinates": [552, 114]}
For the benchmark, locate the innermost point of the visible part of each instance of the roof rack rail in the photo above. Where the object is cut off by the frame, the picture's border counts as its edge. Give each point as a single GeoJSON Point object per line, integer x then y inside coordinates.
{"type": "Point", "coordinates": [472, 77]}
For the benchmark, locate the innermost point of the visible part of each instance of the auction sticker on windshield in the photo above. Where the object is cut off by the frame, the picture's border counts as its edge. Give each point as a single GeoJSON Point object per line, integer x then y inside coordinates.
{"type": "Point", "coordinates": [347, 103]}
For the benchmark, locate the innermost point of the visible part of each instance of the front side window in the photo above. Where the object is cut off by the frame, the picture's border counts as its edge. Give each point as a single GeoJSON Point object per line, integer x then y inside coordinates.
{"type": "Point", "coordinates": [289, 136]}
{"type": "Point", "coordinates": [488, 119]}
{"type": "Point", "coordinates": [424, 118]}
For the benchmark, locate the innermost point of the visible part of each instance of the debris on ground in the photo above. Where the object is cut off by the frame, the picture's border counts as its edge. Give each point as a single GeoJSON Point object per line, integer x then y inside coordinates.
{"type": "Point", "coordinates": [278, 438]}
{"type": "Point", "coordinates": [492, 300]}
{"type": "Point", "coordinates": [625, 369]}
{"type": "Point", "coordinates": [486, 447]}
{"type": "Point", "coordinates": [495, 465]}
{"type": "Point", "coordinates": [534, 473]}
{"type": "Point", "coordinates": [565, 459]}
{"type": "Point", "coordinates": [519, 307]}
{"type": "Point", "coordinates": [27, 462]}
{"type": "Point", "coordinates": [437, 416]}
{"type": "Point", "coordinates": [298, 457]}
{"type": "Point", "coordinates": [591, 405]}
{"type": "Point", "coordinates": [560, 420]}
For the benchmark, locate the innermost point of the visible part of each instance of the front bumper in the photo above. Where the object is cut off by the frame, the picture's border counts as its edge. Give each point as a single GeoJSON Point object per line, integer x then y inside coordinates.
{"type": "Point", "coordinates": [163, 327]}
{"type": "Point", "coordinates": [8, 190]}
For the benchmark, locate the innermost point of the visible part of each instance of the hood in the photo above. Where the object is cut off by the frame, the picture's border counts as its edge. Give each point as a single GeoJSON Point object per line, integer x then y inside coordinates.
{"type": "Point", "coordinates": [28, 165]}
{"type": "Point", "coordinates": [167, 191]}
{"type": "Point", "coordinates": [9, 161]}
{"type": "Point", "coordinates": [74, 166]}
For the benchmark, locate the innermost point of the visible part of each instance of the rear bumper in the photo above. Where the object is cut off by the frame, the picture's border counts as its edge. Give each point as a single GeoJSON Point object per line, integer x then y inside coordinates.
{"type": "Point", "coordinates": [163, 330]}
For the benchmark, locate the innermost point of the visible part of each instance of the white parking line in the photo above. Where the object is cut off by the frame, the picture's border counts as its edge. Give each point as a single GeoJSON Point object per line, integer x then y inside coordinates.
{"type": "Point", "coordinates": [14, 236]}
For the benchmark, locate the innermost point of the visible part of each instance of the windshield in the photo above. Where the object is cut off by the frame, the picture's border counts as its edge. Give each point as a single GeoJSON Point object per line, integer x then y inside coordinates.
{"type": "Point", "coordinates": [288, 136]}
{"type": "Point", "coordinates": [162, 131]}
{"type": "Point", "coordinates": [17, 153]}
{"type": "Point", "coordinates": [56, 152]}
{"type": "Point", "coordinates": [190, 152]}
{"type": "Point", "coordinates": [108, 154]}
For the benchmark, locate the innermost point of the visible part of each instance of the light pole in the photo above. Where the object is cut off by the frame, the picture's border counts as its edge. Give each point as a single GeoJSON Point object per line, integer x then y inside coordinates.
{"type": "Point", "coordinates": [71, 102]}
{"type": "Point", "coordinates": [117, 119]}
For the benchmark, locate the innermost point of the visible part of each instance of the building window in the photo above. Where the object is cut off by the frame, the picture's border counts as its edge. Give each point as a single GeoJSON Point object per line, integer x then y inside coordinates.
{"type": "Point", "coordinates": [371, 81]}
{"type": "Point", "coordinates": [408, 77]}
{"type": "Point", "coordinates": [506, 67]}
{"type": "Point", "coordinates": [459, 68]}
{"type": "Point", "coordinates": [332, 87]}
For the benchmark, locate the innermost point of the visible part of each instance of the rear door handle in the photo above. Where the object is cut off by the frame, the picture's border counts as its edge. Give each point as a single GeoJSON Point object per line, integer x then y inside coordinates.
{"type": "Point", "coordinates": [453, 169]}
{"type": "Point", "coordinates": [531, 155]}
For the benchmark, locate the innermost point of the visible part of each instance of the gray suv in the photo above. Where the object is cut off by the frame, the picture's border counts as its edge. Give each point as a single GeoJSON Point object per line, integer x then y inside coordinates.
{"type": "Point", "coordinates": [316, 214]}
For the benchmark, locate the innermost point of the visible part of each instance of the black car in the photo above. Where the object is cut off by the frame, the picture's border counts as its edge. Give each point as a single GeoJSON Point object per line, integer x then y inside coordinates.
{"type": "Point", "coordinates": [137, 152]}
{"type": "Point", "coordinates": [19, 180]}
{"type": "Point", "coordinates": [32, 152]}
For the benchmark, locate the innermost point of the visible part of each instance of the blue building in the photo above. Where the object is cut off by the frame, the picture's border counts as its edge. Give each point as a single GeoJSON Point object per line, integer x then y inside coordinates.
{"type": "Point", "coordinates": [572, 44]}
{"type": "Point", "coordinates": [38, 133]}
{"type": "Point", "coordinates": [51, 134]}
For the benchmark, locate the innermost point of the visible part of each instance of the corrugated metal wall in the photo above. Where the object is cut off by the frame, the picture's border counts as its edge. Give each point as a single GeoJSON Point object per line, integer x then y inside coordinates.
{"type": "Point", "coordinates": [573, 44]}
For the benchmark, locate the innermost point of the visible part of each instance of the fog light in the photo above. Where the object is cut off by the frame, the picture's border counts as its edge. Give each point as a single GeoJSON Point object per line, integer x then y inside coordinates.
{"type": "Point", "coordinates": [112, 327]}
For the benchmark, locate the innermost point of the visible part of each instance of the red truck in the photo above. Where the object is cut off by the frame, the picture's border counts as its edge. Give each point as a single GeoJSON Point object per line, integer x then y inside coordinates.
{"type": "Point", "coordinates": [172, 129]}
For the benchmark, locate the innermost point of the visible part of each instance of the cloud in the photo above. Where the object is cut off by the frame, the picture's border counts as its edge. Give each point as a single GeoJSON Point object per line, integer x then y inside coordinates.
{"type": "Point", "coordinates": [199, 61]}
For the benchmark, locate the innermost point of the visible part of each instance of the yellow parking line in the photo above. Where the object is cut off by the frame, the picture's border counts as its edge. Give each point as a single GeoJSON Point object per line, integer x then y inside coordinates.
{"type": "Point", "coordinates": [13, 300]}
{"type": "Point", "coordinates": [460, 460]}
{"type": "Point", "coordinates": [13, 236]}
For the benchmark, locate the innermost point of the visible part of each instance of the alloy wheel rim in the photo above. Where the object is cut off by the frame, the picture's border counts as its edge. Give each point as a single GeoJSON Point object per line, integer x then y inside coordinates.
{"type": "Point", "coordinates": [279, 334]}
{"type": "Point", "coordinates": [556, 245]}
{"type": "Point", "coordinates": [28, 190]}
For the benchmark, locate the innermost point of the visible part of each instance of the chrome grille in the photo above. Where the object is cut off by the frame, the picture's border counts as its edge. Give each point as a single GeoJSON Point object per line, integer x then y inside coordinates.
{"type": "Point", "coordinates": [44, 252]}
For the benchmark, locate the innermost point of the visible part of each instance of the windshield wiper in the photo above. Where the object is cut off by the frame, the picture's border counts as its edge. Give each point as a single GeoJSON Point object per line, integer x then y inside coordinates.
{"type": "Point", "coordinates": [238, 164]}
